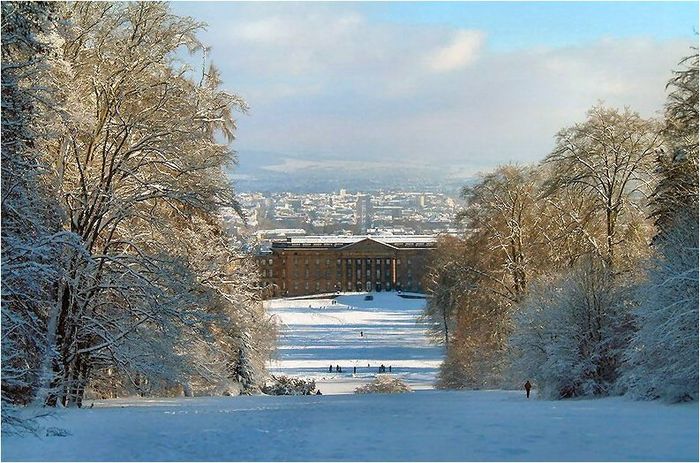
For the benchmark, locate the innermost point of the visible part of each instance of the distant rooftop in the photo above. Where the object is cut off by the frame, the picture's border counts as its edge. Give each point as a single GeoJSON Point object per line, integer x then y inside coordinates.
{"type": "Point", "coordinates": [281, 231]}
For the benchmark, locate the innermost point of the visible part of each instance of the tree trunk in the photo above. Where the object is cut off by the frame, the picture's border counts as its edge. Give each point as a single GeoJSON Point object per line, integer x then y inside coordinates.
{"type": "Point", "coordinates": [47, 371]}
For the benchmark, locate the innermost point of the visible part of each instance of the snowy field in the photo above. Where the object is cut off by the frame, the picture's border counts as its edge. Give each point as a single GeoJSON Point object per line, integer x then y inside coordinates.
{"type": "Point", "coordinates": [316, 334]}
{"type": "Point", "coordinates": [420, 426]}
{"type": "Point", "coordinates": [426, 425]}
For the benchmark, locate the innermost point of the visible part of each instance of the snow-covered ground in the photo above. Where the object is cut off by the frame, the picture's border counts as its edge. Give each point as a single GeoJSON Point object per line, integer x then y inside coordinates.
{"type": "Point", "coordinates": [419, 426]}
{"type": "Point", "coordinates": [356, 333]}
{"type": "Point", "coordinates": [426, 425]}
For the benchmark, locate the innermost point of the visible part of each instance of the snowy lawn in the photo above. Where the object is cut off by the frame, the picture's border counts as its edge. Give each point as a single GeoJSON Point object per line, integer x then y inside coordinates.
{"type": "Point", "coordinates": [354, 333]}
{"type": "Point", "coordinates": [424, 425]}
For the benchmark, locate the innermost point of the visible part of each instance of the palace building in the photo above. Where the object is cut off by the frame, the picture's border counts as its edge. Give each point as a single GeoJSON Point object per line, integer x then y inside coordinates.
{"type": "Point", "coordinates": [304, 265]}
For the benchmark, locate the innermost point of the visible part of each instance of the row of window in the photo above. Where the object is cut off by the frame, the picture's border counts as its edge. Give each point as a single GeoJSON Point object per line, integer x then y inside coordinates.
{"type": "Point", "coordinates": [348, 261]}
{"type": "Point", "coordinates": [269, 273]}
{"type": "Point", "coordinates": [368, 261]}
{"type": "Point", "coordinates": [358, 286]}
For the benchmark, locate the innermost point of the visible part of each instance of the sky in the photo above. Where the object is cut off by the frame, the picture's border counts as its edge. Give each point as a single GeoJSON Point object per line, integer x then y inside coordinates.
{"type": "Point", "coordinates": [464, 85]}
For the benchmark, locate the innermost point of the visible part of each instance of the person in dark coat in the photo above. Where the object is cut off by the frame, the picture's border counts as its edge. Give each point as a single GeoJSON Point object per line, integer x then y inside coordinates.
{"type": "Point", "coordinates": [528, 386]}
{"type": "Point", "coordinates": [330, 369]}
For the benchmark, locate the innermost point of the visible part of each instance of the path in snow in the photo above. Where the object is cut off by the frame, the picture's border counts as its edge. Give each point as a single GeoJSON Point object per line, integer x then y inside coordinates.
{"type": "Point", "coordinates": [420, 426]}
{"type": "Point", "coordinates": [316, 334]}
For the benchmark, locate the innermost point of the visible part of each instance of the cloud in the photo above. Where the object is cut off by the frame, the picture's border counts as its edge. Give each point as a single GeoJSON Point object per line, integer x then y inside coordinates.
{"type": "Point", "coordinates": [461, 52]}
{"type": "Point", "coordinates": [327, 82]}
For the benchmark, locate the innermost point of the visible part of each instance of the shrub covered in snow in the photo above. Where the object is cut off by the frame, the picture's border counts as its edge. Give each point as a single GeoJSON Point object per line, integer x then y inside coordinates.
{"type": "Point", "coordinates": [286, 385]}
{"type": "Point", "coordinates": [384, 384]}
{"type": "Point", "coordinates": [662, 358]}
{"type": "Point", "coordinates": [570, 332]}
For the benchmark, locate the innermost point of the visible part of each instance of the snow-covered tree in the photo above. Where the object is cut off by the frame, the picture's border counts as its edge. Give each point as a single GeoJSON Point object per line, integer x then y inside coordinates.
{"type": "Point", "coordinates": [441, 281]}
{"type": "Point", "coordinates": [609, 160]}
{"type": "Point", "coordinates": [663, 357]}
{"type": "Point", "coordinates": [153, 294]}
{"type": "Point", "coordinates": [35, 250]}
{"type": "Point", "coordinates": [475, 282]}
{"type": "Point", "coordinates": [571, 330]}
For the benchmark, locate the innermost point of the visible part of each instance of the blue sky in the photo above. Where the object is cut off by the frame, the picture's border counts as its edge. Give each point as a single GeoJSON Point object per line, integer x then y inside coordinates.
{"type": "Point", "coordinates": [468, 85]}
{"type": "Point", "coordinates": [514, 25]}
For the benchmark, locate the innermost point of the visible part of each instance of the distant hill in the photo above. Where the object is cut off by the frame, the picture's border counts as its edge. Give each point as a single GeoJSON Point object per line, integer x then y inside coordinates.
{"type": "Point", "coordinates": [268, 171]}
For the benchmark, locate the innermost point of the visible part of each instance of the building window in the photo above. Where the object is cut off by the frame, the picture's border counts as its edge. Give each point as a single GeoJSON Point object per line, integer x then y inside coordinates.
{"type": "Point", "coordinates": [284, 285]}
{"type": "Point", "coordinates": [379, 262]}
{"type": "Point", "coordinates": [388, 286]}
{"type": "Point", "coordinates": [269, 261]}
{"type": "Point", "coordinates": [339, 262]}
{"type": "Point", "coordinates": [368, 286]}
{"type": "Point", "coordinates": [318, 261]}
{"type": "Point", "coordinates": [369, 273]}
{"type": "Point", "coordinates": [306, 285]}
{"type": "Point", "coordinates": [388, 261]}
{"type": "Point", "coordinates": [398, 261]}
{"type": "Point", "coordinates": [284, 273]}
{"type": "Point", "coordinates": [349, 286]}
{"type": "Point", "coordinates": [318, 286]}
{"type": "Point", "coordinates": [358, 262]}
{"type": "Point", "coordinates": [408, 261]}
{"type": "Point", "coordinates": [328, 262]}
{"type": "Point", "coordinates": [379, 274]}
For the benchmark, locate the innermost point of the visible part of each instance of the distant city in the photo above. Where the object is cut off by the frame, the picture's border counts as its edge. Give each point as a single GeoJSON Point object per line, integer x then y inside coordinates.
{"type": "Point", "coordinates": [273, 215]}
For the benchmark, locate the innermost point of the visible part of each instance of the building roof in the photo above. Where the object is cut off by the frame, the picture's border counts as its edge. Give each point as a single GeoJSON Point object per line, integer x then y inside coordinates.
{"type": "Point", "coordinates": [334, 241]}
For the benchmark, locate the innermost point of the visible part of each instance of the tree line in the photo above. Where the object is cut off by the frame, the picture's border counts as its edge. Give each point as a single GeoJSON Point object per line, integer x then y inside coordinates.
{"type": "Point", "coordinates": [580, 273]}
{"type": "Point", "coordinates": [117, 276]}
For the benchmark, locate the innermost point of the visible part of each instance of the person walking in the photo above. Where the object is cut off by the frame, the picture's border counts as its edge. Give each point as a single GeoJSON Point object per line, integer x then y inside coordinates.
{"type": "Point", "coordinates": [528, 386]}
{"type": "Point", "coordinates": [330, 369]}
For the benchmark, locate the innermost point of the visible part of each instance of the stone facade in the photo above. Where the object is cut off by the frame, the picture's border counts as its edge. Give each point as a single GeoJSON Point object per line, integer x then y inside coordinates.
{"type": "Point", "coordinates": [312, 265]}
